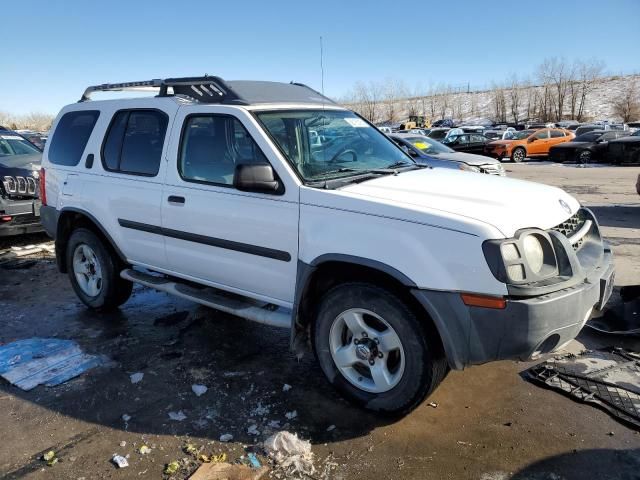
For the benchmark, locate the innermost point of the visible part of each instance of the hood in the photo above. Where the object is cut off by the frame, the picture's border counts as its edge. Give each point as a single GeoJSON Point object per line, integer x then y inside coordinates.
{"type": "Point", "coordinates": [468, 158]}
{"type": "Point", "coordinates": [24, 162]}
{"type": "Point", "coordinates": [504, 203]}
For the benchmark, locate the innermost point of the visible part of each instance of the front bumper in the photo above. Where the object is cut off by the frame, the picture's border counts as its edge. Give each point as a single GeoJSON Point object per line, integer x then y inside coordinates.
{"type": "Point", "coordinates": [526, 327]}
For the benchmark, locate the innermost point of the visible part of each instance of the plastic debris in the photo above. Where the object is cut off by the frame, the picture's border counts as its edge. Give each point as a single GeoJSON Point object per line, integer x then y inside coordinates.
{"type": "Point", "coordinates": [331, 428]}
{"type": "Point", "coordinates": [123, 443]}
{"type": "Point", "coordinates": [136, 377]}
{"type": "Point", "coordinates": [120, 461]}
{"type": "Point", "coordinates": [190, 448]}
{"type": "Point", "coordinates": [48, 456]}
{"type": "Point", "coordinates": [433, 404]}
{"type": "Point", "coordinates": [171, 468]}
{"type": "Point", "coordinates": [274, 424]}
{"type": "Point", "coordinates": [144, 450]}
{"type": "Point", "coordinates": [199, 389]}
{"type": "Point", "coordinates": [253, 430]}
{"type": "Point", "coordinates": [291, 415]}
{"type": "Point", "coordinates": [255, 463]}
{"type": "Point", "coordinates": [219, 458]}
{"type": "Point", "coordinates": [44, 361]}
{"type": "Point", "coordinates": [286, 387]}
{"type": "Point", "coordinates": [291, 453]}
{"type": "Point", "coordinates": [126, 418]}
{"type": "Point", "coordinates": [177, 416]}
{"type": "Point", "coordinates": [226, 437]}
{"type": "Point", "coordinates": [204, 458]}
{"type": "Point", "coordinates": [52, 462]}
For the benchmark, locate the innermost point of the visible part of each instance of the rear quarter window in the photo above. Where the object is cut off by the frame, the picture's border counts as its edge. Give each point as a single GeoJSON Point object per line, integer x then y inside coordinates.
{"type": "Point", "coordinates": [71, 136]}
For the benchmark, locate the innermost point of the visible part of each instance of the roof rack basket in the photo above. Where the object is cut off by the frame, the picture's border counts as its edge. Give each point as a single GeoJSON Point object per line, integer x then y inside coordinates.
{"type": "Point", "coordinates": [203, 89]}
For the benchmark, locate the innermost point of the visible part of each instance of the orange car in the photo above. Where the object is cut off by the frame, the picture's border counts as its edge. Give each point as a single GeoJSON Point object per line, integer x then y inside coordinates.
{"type": "Point", "coordinates": [527, 143]}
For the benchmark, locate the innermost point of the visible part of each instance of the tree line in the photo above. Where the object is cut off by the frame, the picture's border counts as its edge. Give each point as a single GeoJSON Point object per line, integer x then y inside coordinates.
{"type": "Point", "coordinates": [557, 90]}
{"type": "Point", "coordinates": [40, 122]}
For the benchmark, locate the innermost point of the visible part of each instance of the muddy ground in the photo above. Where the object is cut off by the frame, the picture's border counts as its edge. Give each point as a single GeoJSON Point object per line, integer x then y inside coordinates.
{"type": "Point", "coordinates": [489, 422]}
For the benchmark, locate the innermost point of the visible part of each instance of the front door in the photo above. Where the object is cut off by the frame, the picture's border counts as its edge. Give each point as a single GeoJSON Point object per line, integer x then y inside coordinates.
{"type": "Point", "coordinates": [215, 234]}
{"type": "Point", "coordinates": [538, 143]}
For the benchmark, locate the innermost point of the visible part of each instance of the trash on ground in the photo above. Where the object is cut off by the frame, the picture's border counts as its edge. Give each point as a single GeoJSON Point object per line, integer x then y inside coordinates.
{"type": "Point", "coordinates": [136, 377]}
{"type": "Point", "coordinates": [253, 430]}
{"type": "Point", "coordinates": [286, 387]}
{"type": "Point", "coordinates": [17, 264]}
{"type": "Point", "coordinates": [190, 448]}
{"type": "Point", "coordinates": [253, 460]}
{"type": "Point", "coordinates": [227, 471]}
{"type": "Point", "coordinates": [126, 418]}
{"type": "Point", "coordinates": [177, 416]}
{"type": "Point", "coordinates": [291, 415]}
{"type": "Point", "coordinates": [49, 455]}
{"type": "Point", "coordinates": [433, 404]}
{"type": "Point", "coordinates": [331, 428]}
{"type": "Point", "coordinates": [49, 361]}
{"type": "Point", "coordinates": [199, 389]}
{"type": "Point", "coordinates": [608, 378]}
{"type": "Point", "coordinates": [123, 443]}
{"type": "Point", "coordinates": [291, 453]}
{"type": "Point", "coordinates": [120, 461]}
{"type": "Point", "coordinates": [144, 450]}
{"type": "Point", "coordinates": [226, 437]}
{"type": "Point", "coordinates": [171, 468]}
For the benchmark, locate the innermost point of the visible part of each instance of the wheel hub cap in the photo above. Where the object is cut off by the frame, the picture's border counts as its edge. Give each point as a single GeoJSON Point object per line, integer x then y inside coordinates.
{"type": "Point", "coordinates": [367, 350]}
{"type": "Point", "coordinates": [87, 271]}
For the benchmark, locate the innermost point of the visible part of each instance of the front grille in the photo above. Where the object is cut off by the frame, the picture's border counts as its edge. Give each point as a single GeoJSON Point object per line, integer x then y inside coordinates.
{"type": "Point", "coordinates": [570, 226]}
{"type": "Point", "coordinates": [20, 186]}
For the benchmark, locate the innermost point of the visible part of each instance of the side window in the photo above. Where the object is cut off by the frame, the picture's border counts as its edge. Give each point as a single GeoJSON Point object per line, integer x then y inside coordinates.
{"type": "Point", "coordinates": [134, 142]}
{"type": "Point", "coordinates": [542, 134]}
{"type": "Point", "coordinates": [463, 139]}
{"type": "Point", "coordinates": [556, 134]}
{"type": "Point", "coordinates": [71, 136]}
{"type": "Point", "coordinates": [477, 138]}
{"type": "Point", "coordinates": [212, 146]}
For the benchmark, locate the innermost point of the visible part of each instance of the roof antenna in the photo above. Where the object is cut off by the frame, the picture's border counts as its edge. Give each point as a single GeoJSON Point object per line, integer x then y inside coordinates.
{"type": "Point", "coordinates": [322, 67]}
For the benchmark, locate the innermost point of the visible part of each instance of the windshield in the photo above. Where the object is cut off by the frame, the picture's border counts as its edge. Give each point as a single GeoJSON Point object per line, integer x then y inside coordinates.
{"type": "Point", "coordinates": [11, 145]}
{"type": "Point", "coordinates": [636, 133]}
{"type": "Point", "coordinates": [522, 134]}
{"type": "Point", "coordinates": [428, 145]}
{"type": "Point", "coordinates": [588, 137]}
{"type": "Point", "coordinates": [322, 144]}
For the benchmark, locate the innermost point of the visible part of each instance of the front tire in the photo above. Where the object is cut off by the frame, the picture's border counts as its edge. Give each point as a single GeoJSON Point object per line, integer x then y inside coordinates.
{"type": "Point", "coordinates": [518, 155]}
{"type": "Point", "coordinates": [585, 156]}
{"type": "Point", "coordinates": [374, 350]}
{"type": "Point", "coordinates": [94, 272]}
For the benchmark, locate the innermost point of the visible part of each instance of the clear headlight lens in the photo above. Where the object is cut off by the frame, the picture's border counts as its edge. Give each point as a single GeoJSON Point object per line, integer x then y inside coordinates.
{"type": "Point", "coordinates": [533, 252]}
{"type": "Point", "coordinates": [468, 168]}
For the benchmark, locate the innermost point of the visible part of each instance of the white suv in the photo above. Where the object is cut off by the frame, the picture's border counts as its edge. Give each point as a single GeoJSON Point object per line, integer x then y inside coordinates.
{"type": "Point", "coordinates": [269, 201]}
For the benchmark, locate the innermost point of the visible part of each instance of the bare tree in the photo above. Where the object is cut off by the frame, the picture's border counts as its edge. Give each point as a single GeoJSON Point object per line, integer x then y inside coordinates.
{"type": "Point", "coordinates": [556, 75]}
{"type": "Point", "coordinates": [367, 99]}
{"type": "Point", "coordinates": [499, 103]}
{"type": "Point", "coordinates": [515, 98]}
{"type": "Point", "coordinates": [589, 73]}
{"type": "Point", "coordinates": [445, 99]}
{"type": "Point", "coordinates": [627, 106]}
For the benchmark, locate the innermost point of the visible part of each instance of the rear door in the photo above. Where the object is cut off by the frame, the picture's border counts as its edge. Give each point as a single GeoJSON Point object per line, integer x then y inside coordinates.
{"type": "Point", "coordinates": [476, 144]}
{"type": "Point", "coordinates": [242, 242]}
{"type": "Point", "coordinates": [556, 137]}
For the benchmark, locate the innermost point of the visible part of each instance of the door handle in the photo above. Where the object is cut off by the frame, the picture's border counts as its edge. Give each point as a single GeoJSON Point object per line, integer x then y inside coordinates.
{"type": "Point", "coordinates": [175, 199]}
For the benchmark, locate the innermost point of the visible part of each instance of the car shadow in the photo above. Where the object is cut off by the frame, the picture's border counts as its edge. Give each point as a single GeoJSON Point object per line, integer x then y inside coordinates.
{"type": "Point", "coordinates": [583, 464]}
{"type": "Point", "coordinates": [177, 344]}
{"type": "Point", "coordinates": [618, 216]}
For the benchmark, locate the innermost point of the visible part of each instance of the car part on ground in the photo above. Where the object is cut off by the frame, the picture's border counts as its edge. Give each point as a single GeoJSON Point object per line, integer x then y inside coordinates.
{"type": "Point", "coordinates": [607, 378]}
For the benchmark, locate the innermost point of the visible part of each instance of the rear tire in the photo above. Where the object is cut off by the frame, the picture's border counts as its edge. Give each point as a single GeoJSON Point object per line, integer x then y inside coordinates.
{"type": "Point", "coordinates": [518, 155]}
{"type": "Point", "coordinates": [408, 362]}
{"type": "Point", "coordinates": [94, 272]}
{"type": "Point", "coordinates": [585, 156]}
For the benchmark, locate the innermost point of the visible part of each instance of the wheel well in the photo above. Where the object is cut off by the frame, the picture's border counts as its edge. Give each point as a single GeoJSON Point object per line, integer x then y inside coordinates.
{"type": "Point", "coordinates": [68, 222]}
{"type": "Point", "coordinates": [331, 273]}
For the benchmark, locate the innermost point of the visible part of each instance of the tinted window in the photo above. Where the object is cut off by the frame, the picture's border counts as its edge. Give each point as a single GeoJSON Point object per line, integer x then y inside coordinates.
{"type": "Point", "coordinates": [134, 142]}
{"type": "Point", "coordinates": [588, 137]}
{"type": "Point", "coordinates": [542, 134]}
{"type": "Point", "coordinates": [71, 137]}
{"type": "Point", "coordinates": [557, 134]}
{"type": "Point", "coordinates": [212, 146]}
{"type": "Point", "coordinates": [477, 139]}
{"type": "Point", "coordinates": [11, 144]}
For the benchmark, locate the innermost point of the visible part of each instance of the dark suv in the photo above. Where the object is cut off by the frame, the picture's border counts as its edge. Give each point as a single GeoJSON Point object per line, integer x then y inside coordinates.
{"type": "Point", "coordinates": [19, 186]}
{"type": "Point", "coordinates": [625, 150]}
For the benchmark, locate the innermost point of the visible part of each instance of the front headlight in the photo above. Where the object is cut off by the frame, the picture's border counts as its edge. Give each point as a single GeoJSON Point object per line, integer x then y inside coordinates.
{"type": "Point", "coordinates": [527, 258]}
{"type": "Point", "coordinates": [468, 168]}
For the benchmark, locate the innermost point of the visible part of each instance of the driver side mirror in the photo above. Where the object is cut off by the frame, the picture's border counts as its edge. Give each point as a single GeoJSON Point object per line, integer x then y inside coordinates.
{"type": "Point", "coordinates": [256, 177]}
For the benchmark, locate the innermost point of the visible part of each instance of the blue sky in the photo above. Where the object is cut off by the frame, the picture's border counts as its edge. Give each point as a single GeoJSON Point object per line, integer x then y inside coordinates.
{"type": "Point", "coordinates": [52, 49]}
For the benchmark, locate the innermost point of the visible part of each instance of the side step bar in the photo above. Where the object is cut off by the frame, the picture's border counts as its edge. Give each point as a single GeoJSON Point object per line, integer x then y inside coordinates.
{"type": "Point", "coordinates": [233, 304]}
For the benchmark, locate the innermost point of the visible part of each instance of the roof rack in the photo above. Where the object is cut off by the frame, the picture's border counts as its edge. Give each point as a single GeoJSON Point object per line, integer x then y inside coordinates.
{"type": "Point", "coordinates": [215, 90]}
{"type": "Point", "coordinates": [203, 89]}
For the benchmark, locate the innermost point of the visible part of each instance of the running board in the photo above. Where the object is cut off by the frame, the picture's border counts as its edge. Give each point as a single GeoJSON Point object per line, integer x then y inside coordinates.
{"type": "Point", "coordinates": [254, 310]}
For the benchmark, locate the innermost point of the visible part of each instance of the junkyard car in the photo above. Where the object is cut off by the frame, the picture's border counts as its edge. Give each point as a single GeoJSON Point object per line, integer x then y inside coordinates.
{"type": "Point", "coordinates": [429, 152]}
{"type": "Point", "coordinates": [213, 191]}
{"type": "Point", "coordinates": [527, 143]}
{"type": "Point", "coordinates": [588, 147]}
{"type": "Point", "coordinates": [467, 142]}
{"type": "Point", "coordinates": [624, 150]}
{"type": "Point", "coordinates": [19, 172]}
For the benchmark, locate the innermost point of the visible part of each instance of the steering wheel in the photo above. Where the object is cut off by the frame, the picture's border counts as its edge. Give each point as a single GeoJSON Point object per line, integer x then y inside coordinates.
{"type": "Point", "coordinates": [349, 151]}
